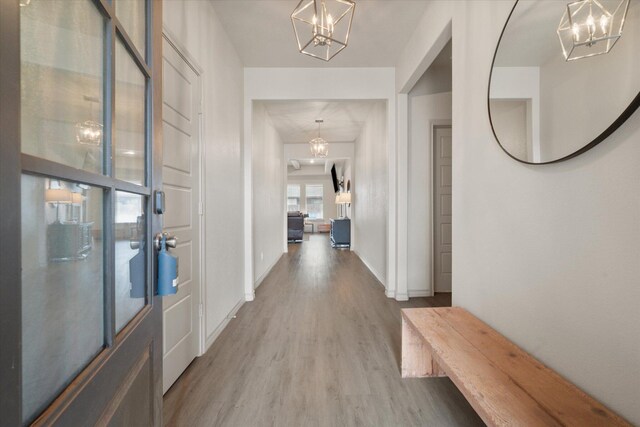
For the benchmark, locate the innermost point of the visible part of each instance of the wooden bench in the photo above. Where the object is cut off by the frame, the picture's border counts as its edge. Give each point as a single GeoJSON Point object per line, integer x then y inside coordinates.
{"type": "Point", "coordinates": [503, 383]}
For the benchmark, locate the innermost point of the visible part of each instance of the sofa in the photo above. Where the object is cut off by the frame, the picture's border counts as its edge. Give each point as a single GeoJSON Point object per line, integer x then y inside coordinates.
{"type": "Point", "coordinates": [295, 226]}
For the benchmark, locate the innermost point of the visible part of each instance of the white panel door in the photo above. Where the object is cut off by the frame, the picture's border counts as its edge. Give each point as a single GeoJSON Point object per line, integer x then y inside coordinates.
{"type": "Point", "coordinates": [442, 209]}
{"type": "Point", "coordinates": [181, 176]}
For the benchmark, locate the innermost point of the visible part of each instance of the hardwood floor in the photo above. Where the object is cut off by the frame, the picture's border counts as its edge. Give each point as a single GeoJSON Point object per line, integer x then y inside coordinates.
{"type": "Point", "coordinates": [320, 346]}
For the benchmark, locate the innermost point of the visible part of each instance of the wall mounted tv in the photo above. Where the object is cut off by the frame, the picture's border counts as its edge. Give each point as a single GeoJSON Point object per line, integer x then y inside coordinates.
{"type": "Point", "coordinates": [334, 178]}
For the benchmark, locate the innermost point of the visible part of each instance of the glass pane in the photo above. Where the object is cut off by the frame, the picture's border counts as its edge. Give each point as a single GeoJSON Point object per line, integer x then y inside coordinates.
{"type": "Point", "coordinates": [129, 137]}
{"type": "Point", "coordinates": [62, 286]}
{"type": "Point", "coordinates": [293, 190]}
{"type": "Point", "coordinates": [130, 257]}
{"type": "Point", "coordinates": [131, 13]}
{"type": "Point", "coordinates": [62, 82]}
{"type": "Point", "coordinates": [314, 200]}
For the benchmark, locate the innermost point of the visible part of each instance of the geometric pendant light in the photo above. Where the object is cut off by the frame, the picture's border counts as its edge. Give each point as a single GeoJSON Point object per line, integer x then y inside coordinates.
{"type": "Point", "coordinates": [318, 146]}
{"type": "Point", "coordinates": [322, 27]}
{"type": "Point", "coordinates": [591, 27]}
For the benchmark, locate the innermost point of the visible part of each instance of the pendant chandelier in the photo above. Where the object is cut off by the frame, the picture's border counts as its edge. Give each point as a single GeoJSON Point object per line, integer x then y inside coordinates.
{"type": "Point", "coordinates": [588, 28]}
{"type": "Point", "coordinates": [318, 146]}
{"type": "Point", "coordinates": [89, 132]}
{"type": "Point", "coordinates": [322, 27]}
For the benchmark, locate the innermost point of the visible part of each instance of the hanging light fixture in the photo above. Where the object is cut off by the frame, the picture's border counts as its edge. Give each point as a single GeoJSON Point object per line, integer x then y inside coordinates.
{"type": "Point", "coordinates": [318, 146]}
{"type": "Point", "coordinates": [322, 27]}
{"type": "Point", "coordinates": [89, 132]}
{"type": "Point", "coordinates": [588, 28]}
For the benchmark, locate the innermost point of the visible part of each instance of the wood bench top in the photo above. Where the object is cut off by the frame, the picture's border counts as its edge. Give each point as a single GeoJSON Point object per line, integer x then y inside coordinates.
{"type": "Point", "coordinates": [502, 382]}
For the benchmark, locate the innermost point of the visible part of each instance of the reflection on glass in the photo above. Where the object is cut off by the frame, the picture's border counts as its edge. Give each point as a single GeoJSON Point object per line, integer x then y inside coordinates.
{"type": "Point", "coordinates": [129, 136]}
{"type": "Point", "coordinates": [62, 286]}
{"type": "Point", "coordinates": [130, 257]}
{"type": "Point", "coordinates": [62, 82]}
{"type": "Point", "coordinates": [131, 13]}
{"type": "Point", "coordinates": [544, 108]}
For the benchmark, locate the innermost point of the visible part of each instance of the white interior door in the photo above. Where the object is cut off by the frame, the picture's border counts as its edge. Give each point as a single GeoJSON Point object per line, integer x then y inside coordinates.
{"type": "Point", "coordinates": [442, 208]}
{"type": "Point", "coordinates": [181, 176]}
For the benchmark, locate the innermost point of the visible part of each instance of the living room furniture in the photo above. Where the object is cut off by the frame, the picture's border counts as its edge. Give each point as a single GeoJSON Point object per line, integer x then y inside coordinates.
{"type": "Point", "coordinates": [502, 382]}
{"type": "Point", "coordinates": [323, 228]}
{"type": "Point", "coordinates": [68, 242]}
{"type": "Point", "coordinates": [295, 226]}
{"type": "Point", "coordinates": [308, 227]}
{"type": "Point", "coordinates": [341, 233]}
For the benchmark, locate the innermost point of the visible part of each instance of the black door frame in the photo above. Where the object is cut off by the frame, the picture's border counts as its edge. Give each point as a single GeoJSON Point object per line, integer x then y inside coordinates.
{"type": "Point", "coordinates": [95, 394]}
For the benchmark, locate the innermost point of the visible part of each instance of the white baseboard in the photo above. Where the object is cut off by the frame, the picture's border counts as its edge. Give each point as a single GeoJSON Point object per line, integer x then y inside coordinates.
{"type": "Point", "coordinates": [371, 269]}
{"type": "Point", "coordinates": [250, 296]}
{"type": "Point", "coordinates": [414, 293]}
{"type": "Point", "coordinates": [402, 296]}
{"type": "Point", "coordinates": [216, 333]}
{"type": "Point", "coordinates": [260, 279]}
{"type": "Point", "coordinates": [389, 293]}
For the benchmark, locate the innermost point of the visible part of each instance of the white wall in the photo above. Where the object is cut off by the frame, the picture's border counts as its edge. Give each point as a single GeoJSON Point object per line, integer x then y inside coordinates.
{"type": "Point", "coordinates": [195, 25]}
{"type": "Point", "coordinates": [427, 107]}
{"type": "Point", "coordinates": [547, 255]}
{"type": "Point", "coordinates": [521, 83]}
{"type": "Point", "coordinates": [269, 190]}
{"type": "Point", "coordinates": [370, 199]}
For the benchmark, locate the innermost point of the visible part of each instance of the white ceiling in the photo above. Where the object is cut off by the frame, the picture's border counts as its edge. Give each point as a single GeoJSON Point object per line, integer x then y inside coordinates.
{"type": "Point", "coordinates": [262, 33]}
{"type": "Point", "coordinates": [530, 39]}
{"type": "Point", "coordinates": [295, 120]}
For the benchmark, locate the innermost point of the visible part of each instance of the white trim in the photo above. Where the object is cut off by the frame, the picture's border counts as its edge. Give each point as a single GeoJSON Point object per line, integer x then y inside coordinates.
{"type": "Point", "coordinates": [402, 195]}
{"type": "Point", "coordinates": [374, 272]}
{"type": "Point", "coordinates": [402, 296]}
{"type": "Point", "coordinates": [248, 202]}
{"type": "Point", "coordinates": [414, 293]}
{"type": "Point", "coordinates": [182, 51]}
{"type": "Point", "coordinates": [264, 275]}
{"type": "Point", "coordinates": [190, 60]}
{"type": "Point", "coordinates": [216, 333]}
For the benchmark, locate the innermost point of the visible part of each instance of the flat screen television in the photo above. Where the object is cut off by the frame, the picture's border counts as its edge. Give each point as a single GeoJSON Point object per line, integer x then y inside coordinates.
{"type": "Point", "coordinates": [334, 178]}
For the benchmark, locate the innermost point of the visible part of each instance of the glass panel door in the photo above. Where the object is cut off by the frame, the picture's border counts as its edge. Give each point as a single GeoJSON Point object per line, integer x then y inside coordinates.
{"type": "Point", "coordinates": [77, 96]}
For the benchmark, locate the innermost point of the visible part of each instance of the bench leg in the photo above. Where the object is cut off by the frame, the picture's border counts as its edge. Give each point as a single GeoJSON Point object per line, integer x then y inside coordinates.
{"type": "Point", "coordinates": [416, 356]}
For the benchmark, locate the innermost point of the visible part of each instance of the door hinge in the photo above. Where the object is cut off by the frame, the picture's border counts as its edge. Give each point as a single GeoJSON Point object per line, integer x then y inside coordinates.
{"type": "Point", "coordinates": [200, 209]}
{"type": "Point", "coordinates": [200, 309]}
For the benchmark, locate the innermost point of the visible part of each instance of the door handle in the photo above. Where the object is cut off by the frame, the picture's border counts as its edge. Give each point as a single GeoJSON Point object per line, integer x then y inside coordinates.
{"type": "Point", "coordinates": [171, 241]}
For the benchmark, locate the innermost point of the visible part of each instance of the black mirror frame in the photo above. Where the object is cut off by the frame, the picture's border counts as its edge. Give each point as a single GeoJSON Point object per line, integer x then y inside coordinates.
{"type": "Point", "coordinates": [628, 112]}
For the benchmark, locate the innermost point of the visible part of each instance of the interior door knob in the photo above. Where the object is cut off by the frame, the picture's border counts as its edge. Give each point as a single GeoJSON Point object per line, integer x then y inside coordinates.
{"type": "Point", "coordinates": [171, 241]}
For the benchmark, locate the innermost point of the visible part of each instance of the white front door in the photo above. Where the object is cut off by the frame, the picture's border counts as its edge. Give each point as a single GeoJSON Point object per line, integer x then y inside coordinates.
{"type": "Point", "coordinates": [442, 208]}
{"type": "Point", "coordinates": [181, 176]}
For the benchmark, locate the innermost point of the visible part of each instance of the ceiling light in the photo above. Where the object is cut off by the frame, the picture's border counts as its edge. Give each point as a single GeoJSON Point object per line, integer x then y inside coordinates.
{"type": "Point", "coordinates": [322, 27]}
{"type": "Point", "coordinates": [312, 161]}
{"type": "Point", "coordinates": [89, 132]}
{"type": "Point", "coordinates": [587, 28]}
{"type": "Point", "coordinates": [319, 147]}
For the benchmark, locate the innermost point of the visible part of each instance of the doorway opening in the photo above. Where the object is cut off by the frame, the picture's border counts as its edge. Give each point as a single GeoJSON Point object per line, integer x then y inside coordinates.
{"type": "Point", "coordinates": [429, 267]}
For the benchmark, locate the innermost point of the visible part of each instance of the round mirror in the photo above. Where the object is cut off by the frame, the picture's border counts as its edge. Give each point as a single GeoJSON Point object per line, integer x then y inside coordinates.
{"type": "Point", "coordinates": [565, 75]}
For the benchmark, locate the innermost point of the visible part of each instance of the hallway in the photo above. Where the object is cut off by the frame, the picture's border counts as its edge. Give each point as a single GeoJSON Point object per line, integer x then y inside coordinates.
{"type": "Point", "coordinates": [320, 345]}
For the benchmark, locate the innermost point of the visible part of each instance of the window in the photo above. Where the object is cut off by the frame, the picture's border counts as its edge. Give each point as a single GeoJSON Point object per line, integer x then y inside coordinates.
{"type": "Point", "coordinates": [314, 200]}
{"type": "Point", "coordinates": [293, 198]}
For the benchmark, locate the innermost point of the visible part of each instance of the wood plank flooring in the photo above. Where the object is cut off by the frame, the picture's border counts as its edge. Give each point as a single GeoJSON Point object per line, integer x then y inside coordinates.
{"type": "Point", "coordinates": [320, 346]}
